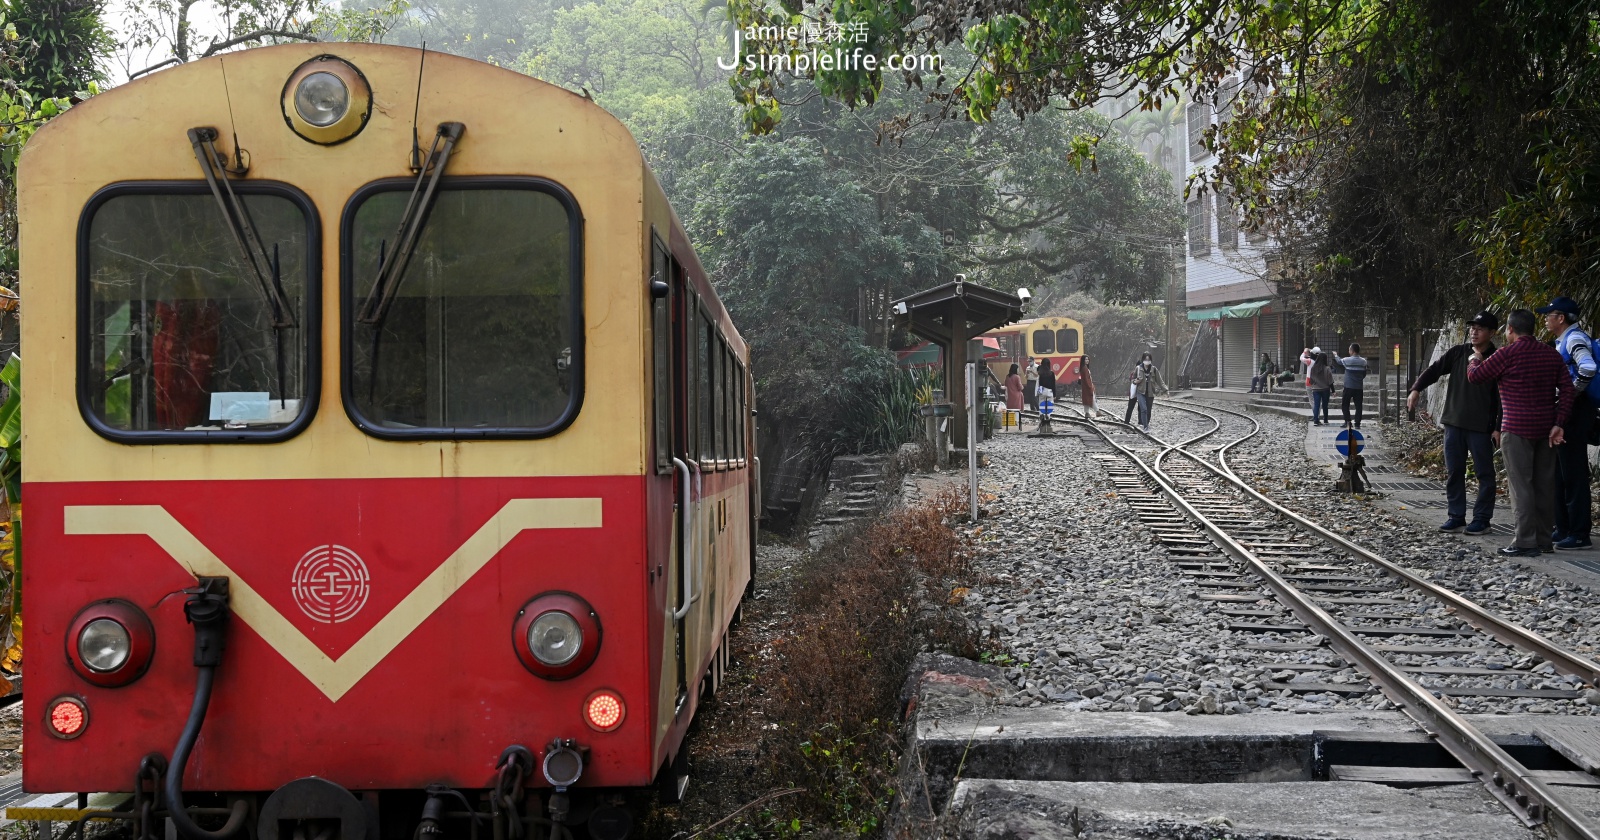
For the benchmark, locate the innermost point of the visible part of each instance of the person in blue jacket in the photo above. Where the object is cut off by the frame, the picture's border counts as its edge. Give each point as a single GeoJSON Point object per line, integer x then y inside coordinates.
{"type": "Point", "coordinates": [1573, 519]}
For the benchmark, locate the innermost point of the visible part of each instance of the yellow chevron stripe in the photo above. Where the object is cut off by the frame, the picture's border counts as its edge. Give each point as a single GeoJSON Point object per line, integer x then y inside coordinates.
{"type": "Point", "coordinates": [336, 676]}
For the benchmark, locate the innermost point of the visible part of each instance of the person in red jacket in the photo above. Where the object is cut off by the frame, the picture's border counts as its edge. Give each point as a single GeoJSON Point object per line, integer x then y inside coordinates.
{"type": "Point", "coordinates": [1535, 400]}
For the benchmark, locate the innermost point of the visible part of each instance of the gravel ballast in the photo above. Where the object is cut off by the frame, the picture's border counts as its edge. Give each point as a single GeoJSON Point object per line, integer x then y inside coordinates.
{"type": "Point", "coordinates": [1091, 613]}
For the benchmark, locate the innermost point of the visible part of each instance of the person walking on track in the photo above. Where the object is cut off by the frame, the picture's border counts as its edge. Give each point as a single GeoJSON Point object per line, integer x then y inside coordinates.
{"type": "Point", "coordinates": [1146, 379]}
{"type": "Point", "coordinates": [1535, 401]}
{"type": "Point", "coordinates": [1573, 519]}
{"type": "Point", "coordinates": [1355, 373]}
{"type": "Point", "coordinates": [1471, 422]}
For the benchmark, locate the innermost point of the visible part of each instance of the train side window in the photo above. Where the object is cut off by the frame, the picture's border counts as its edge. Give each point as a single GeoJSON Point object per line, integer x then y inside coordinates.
{"type": "Point", "coordinates": [482, 336]}
{"type": "Point", "coordinates": [692, 365]}
{"type": "Point", "coordinates": [1044, 343]}
{"type": "Point", "coordinates": [730, 449]}
{"type": "Point", "coordinates": [707, 449]}
{"type": "Point", "coordinates": [182, 340]}
{"type": "Point", "coordinates": [1067, 340]}
{"type": "Point", "coordinates": [740, 415]}
{"type": "Point", "coordinates": [661, 355]}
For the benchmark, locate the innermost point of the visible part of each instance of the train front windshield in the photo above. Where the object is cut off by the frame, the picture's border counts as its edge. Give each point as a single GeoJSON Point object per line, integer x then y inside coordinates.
{"type": "Point", "coordinates": [181, 337]}
{"type": "Point", "coordinates": [480, 334]}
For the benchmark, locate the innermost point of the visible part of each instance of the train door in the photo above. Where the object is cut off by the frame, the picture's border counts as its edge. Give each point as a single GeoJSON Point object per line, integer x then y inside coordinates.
{"type": "Point", "coordinates": [672, 309]}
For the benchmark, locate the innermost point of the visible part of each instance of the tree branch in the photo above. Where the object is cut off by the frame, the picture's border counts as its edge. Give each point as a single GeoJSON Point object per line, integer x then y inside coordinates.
{"type": "Point", "coordinates": [258, 34]}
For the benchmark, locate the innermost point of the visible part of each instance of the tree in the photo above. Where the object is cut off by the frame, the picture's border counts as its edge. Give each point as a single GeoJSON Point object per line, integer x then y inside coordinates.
{"type": "Point", "coordinates": [178, 31]}
{"type": "Point", "coordinates": [1314, 91]}
{"type": "Point", "coordinates": [60, 44]}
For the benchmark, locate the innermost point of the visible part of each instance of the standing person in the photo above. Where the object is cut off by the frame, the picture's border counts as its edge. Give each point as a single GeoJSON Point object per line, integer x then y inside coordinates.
{"type": "Point", "coordinates": [1308, 357]}
{"type": "Point", "coordinates": [1030, 388]}
{"type": "Point", "coordinates": [1573, 520]}
{"type": "Point", "coordinates": [1471, 425]}
{"type": "Point", "coordinates": [1147, 377]}
{"type": "Point", "coordinates": [1087, 383]}
{"type": "Point", "coordinates": [1355, 373]}
{"type": "Point", "coordinates": [1047, 380]}
{"type": "Point", "coordinates": [1535, 400]}
{"type": "Point", "coordinates": [1014, 389]}
{"type": "Point", "coordinates": [1320, 387]}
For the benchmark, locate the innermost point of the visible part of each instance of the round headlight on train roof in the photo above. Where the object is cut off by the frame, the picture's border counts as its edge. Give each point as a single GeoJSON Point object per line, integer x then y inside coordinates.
{"type": "Point", "coordinates": [556, 635]}
{"type": "Point", "coordinates": [327, 100]}
{"type": "Point", "coordinates": [321, 99]}
{"type": "Point", "coordinates": [110, 643]}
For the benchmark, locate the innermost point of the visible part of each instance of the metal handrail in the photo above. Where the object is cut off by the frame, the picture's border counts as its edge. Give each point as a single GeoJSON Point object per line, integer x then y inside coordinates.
{"type": "Point", "coordinates": [691, 559]}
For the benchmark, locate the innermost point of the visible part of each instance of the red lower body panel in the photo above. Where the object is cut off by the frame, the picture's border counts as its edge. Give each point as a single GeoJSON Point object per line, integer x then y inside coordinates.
{"type": "Point", "coordinates": [371, 642]}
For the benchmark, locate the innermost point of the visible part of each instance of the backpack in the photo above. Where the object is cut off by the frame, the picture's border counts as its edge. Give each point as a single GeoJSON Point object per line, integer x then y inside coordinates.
{"type": "Point", "coordinates": [1594, 384]}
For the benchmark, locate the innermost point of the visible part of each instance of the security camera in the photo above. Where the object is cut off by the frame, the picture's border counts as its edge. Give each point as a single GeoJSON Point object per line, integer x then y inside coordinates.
{"type": "Point", "coordinates": [901, 308]}
{"type": "Point", "coordinates": [961, 278]}
{"type": "Point", "coordinates": [1024, 294]}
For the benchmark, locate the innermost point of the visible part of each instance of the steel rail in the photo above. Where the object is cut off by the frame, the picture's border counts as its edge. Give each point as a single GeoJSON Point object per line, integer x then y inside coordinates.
{"type": "Point", "coordinates": [1472, 612]}
{"type": "Point", "coordinates": [1503, 776]}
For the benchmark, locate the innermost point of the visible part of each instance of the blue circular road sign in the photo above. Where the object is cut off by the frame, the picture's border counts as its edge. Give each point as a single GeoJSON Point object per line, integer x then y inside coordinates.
{"type": "Point", "coordinates": [1046, 407]}
{"type": "Point", "coordinates": [1349, 439]}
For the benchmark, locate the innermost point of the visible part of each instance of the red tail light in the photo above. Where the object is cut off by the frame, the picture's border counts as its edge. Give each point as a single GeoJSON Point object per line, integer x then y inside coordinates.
{"type": "Point", "coordinates": [67, 718]}
{"type": "Point", "coordinates": [604, 710]}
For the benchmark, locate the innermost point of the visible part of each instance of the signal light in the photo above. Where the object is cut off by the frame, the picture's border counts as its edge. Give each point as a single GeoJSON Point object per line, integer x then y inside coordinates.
{"type": "Point", "coordinates": [68, 717]}
{"type": "Point", "coordinates": [604, 711]}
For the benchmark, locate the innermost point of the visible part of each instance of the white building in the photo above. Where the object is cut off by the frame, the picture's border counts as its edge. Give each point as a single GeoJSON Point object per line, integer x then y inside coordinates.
{"type": "Point", "coordinates": [1227, 274]}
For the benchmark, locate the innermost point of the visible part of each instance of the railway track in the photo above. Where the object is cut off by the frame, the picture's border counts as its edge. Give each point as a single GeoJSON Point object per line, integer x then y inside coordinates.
{"type": "Point", "coordinates": [1365, 623]}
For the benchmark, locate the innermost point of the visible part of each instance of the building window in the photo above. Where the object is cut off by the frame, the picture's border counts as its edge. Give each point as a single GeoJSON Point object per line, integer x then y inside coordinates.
{"type": "Point", "coordinates": [1199, 121]}
{"type": "Point", "coordinates": [1227, 99]}
{"type": "Point", "coordinates": [1200, 225]}
{"type": "Point", "coordinates": [1227, 222]}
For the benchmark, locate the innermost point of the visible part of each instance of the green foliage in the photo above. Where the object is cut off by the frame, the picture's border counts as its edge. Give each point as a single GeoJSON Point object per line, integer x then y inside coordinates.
{"type": "Point", "coordinates": [60, 44]}
{"type": "Point", "coordinates": [848, 769]}
{"type": "Point", "coordinates": [1399, 151]}
{"type": "Point", "coordinates": [11, 431]}
{"type": "Point", "coordinates": [879, 411]}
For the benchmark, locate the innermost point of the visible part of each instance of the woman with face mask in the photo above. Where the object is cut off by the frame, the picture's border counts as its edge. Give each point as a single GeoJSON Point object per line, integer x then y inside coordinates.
{"type": "Point", "coordinates": [1146, 379]}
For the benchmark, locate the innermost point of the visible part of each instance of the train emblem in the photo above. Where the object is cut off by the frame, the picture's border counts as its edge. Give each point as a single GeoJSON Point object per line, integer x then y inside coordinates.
{"type": "Point", "coordinates": [331, 584]}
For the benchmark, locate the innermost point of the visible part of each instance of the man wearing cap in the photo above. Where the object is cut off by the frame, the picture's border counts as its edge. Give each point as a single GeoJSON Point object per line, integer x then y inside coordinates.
{"type": "Point", "coordinates": [1471, 425]}
{"type": "Point", "coordinates": [1572, 458]}
{"type": "Point", "coordinates": [1535, 400]}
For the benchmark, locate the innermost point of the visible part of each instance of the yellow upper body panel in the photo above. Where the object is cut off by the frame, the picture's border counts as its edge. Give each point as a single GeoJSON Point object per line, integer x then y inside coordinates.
{"type": "Point", "coordinates": [515, 126]}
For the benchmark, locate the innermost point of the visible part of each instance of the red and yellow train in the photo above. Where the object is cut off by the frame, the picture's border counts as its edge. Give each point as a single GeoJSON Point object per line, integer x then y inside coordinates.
{"type": "Point", "coordinates": [385, 442]}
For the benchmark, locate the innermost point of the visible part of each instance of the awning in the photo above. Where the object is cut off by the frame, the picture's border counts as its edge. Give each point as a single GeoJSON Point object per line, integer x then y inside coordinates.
{"type": "Point", "coordinates": [1237, 310]}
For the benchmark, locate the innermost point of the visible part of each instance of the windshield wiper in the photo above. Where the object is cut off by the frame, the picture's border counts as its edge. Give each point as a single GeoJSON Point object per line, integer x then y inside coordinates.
{"type": "Point", "coordinates": [392, 270]}
{"type": "Point", "coordinates": [243, 228]}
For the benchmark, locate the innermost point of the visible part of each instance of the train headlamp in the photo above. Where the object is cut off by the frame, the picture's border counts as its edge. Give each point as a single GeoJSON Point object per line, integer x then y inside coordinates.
{"type": "Point", "coordinates": [104, 645]}
{"type": "Point", "coordinates": [556, 635]}
{"type": "Point", "coordinates": [327, 100]}
{"type": "Point", "coordinates": [555, 638]}
{"type": "Point", "coordinates": [111, 643]}
{"type": "Point", "coordinates": [321, 99]}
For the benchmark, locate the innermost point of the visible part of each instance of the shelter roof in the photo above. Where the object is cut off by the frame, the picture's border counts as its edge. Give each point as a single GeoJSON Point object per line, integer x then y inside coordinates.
{"type": "Point", "coordinates": [931, 313]}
